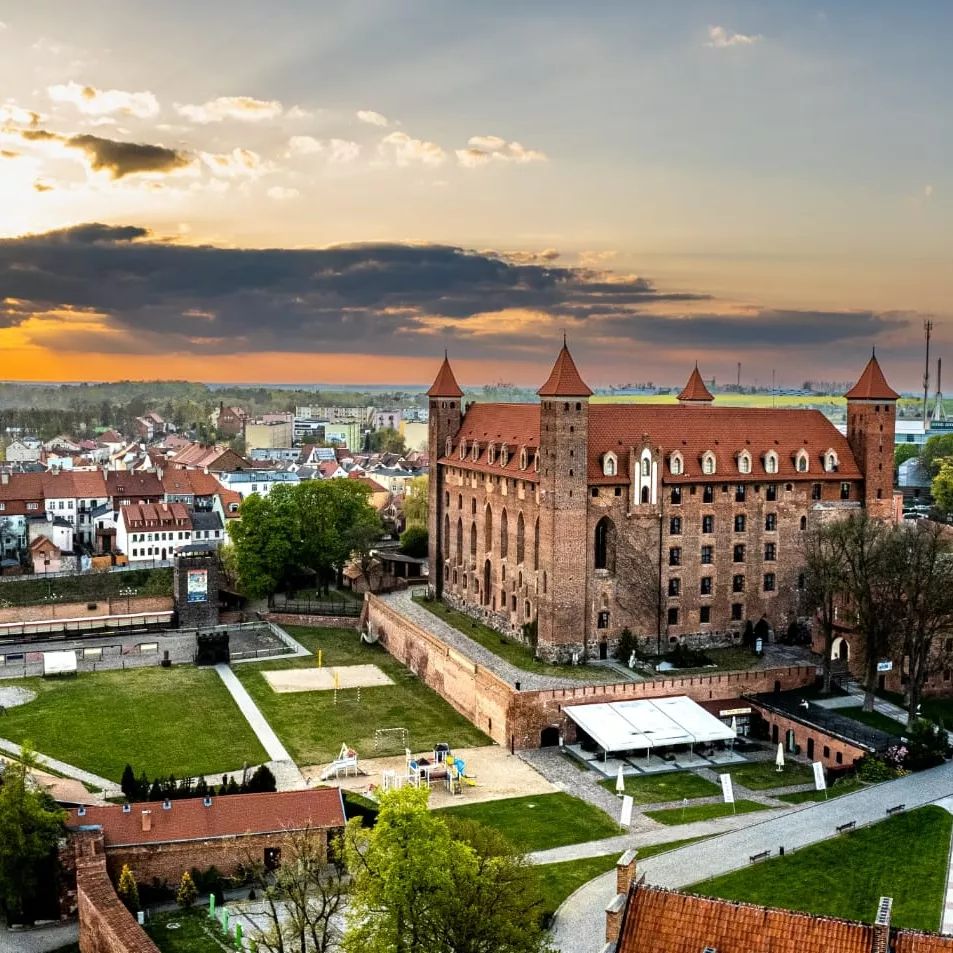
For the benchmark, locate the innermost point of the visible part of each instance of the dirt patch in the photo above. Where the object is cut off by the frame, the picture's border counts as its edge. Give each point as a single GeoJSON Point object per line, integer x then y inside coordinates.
{"type": "Point", "coordinates": [498, 775]}
{"type": "Point", "coordinates": [11, 696]}
{"type": "Point", "coordinates": [326, 679]}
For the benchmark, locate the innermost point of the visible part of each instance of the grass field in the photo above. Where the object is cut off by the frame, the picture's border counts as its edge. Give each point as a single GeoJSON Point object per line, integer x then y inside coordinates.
{"type": "Point", "coordinates": [764, 775]}
{"type": "Point", "coordinates": [939, 710]}
{"type": "Point", "coordinates": [312, 727]}
{"type": "Point", "coordinates": [845, 786]}
{"type": "Point", "coordinates": [195, 932]}
{"type": "Point", "coordinates": [654, 789]}
{"type": "Point", "coordinates": [86, 587]}
{"type": "Point", "coordinates": [702, 812]}
{"type": "Point", "coordinates": [874, 719]}
{"type": "Point", "coordinates": [180, 720]}
{"type": "Point", "coordinates": [904, 857]}
{"type": "Point", "coordinates": [540, 821]}
{"type": "Point", "coordinates": [731, 400]}
{"type": "Point", "coordinates": [513, 652]}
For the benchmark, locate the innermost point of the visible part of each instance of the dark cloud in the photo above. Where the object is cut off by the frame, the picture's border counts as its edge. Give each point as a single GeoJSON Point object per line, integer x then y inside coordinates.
{"type": "Point", "coordinates": [127, 158]}
{"type": "Point", "coordinates": [382, 298]}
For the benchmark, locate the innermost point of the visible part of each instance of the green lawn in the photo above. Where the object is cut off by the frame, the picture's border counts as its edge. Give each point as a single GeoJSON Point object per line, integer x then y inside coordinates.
{"type": "Point", "coordinates": [732, 659]}
{"type": "Point", "coordinates": [312, 727]}
{"type": "Point", "coordinates": [163, 721]}
{"type": "Point", "coordinates": [540, 821]}
{"type": "Point", "coordinates": [516, 653]}
{"type": "Point", "coordinates": [939, 710]}
{"type": "Point", "coordinates": [195, 933]}
{"type": "Point", "coordinates": [844, 786]}
{"type": "Point", "coordinates": [904, 857]}
{"type": "Point", "coordinates": [874, 719]}
{"type": "Point", "coordinates": [764, 775]}
{"type": "Point", "coordinates": [702, 812]}
{"type": "Point", "coordinates": [87, 587]}
{"type": "Point", "coordinates": [674, 786]}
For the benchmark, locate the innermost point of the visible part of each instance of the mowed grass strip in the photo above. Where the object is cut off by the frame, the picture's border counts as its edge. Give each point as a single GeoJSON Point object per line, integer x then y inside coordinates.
{"type": "Point", "coordinates": [312, 727]}
{"type": "Point", "coordinates": [844, 786]}
{"type": "Point", "coordinates": [194, 933]}
{"type": "Point", "coordinates": [658, 788]}
{"type": "Point", "coordinates": [904, 857]}
{"type": "Point", "coordinates": [542, 821]}
{"type": "Point", "coordinates": [874, 719]}
{"type": "Point", "coordinates": [764, 775]}
{"type": "Point", "coordinates": [163, 721]}
{"type": "Point", "coordinates": [703, 812]}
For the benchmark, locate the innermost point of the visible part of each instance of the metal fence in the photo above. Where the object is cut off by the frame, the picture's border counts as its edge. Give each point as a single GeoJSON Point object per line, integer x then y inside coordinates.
{"type": "Point", "coordinates": [341, 607]}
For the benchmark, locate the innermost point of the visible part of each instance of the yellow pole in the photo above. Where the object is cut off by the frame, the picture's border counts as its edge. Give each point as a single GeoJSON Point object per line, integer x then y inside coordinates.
{"type": "Point", "coordinates": [320, 657]}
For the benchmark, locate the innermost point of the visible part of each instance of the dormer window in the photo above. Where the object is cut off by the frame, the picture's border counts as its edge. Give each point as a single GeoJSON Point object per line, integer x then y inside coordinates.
{"type": "Point", "coordinates": [449, 447]}
{"type": "Point", "coordinates": [523, 458]}
{"type": "Point", "coordinates": [536, 461]}
{"type": "Point", "coordinates": [610, 465]}
{"type": "Point", "coordinates": [708, 462]}
{"type": "Point", "coordinates": [463, 449]}
{"type": "Point", "coordinates": [504, 456]}
{"type": "Point", "coordinates": [770, 462]}
{"type": "Point", "coordinates": [801, 461]}
{"type": "Point", "coordinates": [491, 453]}
{"type": "Point", "coordinates": [475, 452]}
{"type": "Point", "coordinates": [646, 466]}
{"type": "Point", "coordinates": [676, 464]}
{"type": "Point", "coordinates": [744, 462]}
{"type": "Point", "coordinates": [831, 463]}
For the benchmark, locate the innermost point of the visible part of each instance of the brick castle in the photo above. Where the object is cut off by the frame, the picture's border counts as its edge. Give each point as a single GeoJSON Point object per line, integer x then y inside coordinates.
{"type": "Point", "coordinates": [564, 522]}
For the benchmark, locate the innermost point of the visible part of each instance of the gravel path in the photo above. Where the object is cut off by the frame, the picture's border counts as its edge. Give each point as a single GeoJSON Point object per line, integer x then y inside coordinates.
{"type": "Point", "coordinates": [109, 788]}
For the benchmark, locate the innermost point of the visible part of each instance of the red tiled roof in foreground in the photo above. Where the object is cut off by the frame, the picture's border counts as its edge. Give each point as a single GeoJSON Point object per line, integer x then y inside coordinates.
{"type": "Point", "coordinates": [564, 380]}
{"type": "Point", "coordinates": [872, 384]}
{"type": "Point", "coordinates": [445, 384]}
{"type": "Point", "coordinates": [230, 816]}
{"type": "Point", "coordinates": [695, 389]}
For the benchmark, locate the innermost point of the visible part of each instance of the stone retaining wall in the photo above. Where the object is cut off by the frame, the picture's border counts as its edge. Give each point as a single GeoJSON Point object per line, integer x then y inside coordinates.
{"type": "Point", "coordinates": [327, 621]}
{"type": "Point", "coordinates": [50, 612]}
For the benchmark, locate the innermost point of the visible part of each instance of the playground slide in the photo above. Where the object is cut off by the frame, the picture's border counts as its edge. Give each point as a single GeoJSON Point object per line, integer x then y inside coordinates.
{"type": "Point", "coordinates": [335, 767]}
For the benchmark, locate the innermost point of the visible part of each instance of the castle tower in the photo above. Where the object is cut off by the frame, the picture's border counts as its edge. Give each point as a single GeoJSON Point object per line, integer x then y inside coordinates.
{"type": "Point", "coordinates": [871, 422]}
{"type": "Point", "coordinates": [695, 392]}
{"type": "Point", "coordinates": [563, 510]}
{"type": "Point", "coordinates": [446, 413]}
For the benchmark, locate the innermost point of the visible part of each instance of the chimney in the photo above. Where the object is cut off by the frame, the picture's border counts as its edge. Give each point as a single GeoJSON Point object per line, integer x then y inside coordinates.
{"type": "Point", "coordinates": [614, 917]}
{"type": "Point", "coordinates": [881, 933]}
{"type": "Point", "coordinates": [625, 871]}
{"type": "Point", "coordinates": [147, 820]}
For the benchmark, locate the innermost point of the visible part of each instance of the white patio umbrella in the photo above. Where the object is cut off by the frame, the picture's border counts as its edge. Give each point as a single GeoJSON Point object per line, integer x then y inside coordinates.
{"type": "Point", "coordinates": [620, 783]}
{"type": "Point", "coordinates": [734, 731]}
{"type": "Point", "coordinates": [779, 760]}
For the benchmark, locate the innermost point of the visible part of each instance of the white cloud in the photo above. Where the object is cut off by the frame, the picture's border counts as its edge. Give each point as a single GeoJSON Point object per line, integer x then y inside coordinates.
{"type": "Point", "coordinates": [375, 119]}
{"type": "Point", "coordinates": [336, 151]}
{"type": "Point", "coordinates": [303, 146]}
{"type": "Point", "coordinates": [927, 191]}
{"type": "Point", "coordinates": [296, 112]}
{"type": "Point", "coordinates": [482, 150]}
{"type": "Point", "coordinates": [719, 38]}
{"type": "Point", "coordinates": [3, 25]}
{"type": "Point", "coordinates": [11, 113]}
{"type": "Point", "coordinates": [239, 163]}
{"type": "Point", "coordinates": [102, 102]}
{"type": "Point", "coordinates": [405, 150]}
{"type": "Point", "coordinates": [280, 194]}
{"type": "Point", "coordinates": [240, 108]}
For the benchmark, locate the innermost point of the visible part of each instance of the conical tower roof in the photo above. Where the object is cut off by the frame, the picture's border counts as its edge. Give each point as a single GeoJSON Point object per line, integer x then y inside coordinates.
{"type": "Point", "coordinates": [872, 384]}
{"type": "Point", "coordinates": [564, 379]}
{"type": "Point", "coordinates": [445, 384]}
{"type": "Point", "coordinates": [695, 390]}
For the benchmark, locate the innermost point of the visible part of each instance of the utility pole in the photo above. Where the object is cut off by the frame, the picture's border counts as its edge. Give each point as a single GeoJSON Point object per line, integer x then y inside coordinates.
{"type": "Point", "coordinates": [939, 411]}
{"type": "Point", "coordinates": [927, 329]}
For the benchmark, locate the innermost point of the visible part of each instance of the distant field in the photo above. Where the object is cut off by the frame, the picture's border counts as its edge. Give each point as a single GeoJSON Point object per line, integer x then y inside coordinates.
{"type": "Point", "coordinates": [729, 400]}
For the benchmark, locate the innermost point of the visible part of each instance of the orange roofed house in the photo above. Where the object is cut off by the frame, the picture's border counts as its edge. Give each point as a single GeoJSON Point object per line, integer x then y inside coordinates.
{"type": "Point", "coordinates": [565, 522]}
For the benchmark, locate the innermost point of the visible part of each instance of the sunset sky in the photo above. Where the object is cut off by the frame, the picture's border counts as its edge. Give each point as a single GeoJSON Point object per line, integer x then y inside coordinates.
{"type": "Point", "coordinates": [316, 192]}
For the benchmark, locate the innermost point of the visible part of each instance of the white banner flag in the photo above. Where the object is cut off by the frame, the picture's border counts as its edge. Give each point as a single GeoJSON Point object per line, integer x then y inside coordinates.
{"type": "Point", "coordinates": [726, 789]}
{"type": "Point", "coordinates": [626, 819]}
{"type": "Point", "coordinates": [820, 783]}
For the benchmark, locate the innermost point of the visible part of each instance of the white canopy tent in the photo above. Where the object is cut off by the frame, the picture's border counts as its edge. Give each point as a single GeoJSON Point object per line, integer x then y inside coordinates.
{"type": "Point", "coordinates": [59, 663]}
{"type": "Point", "coordinates": [648, 723]}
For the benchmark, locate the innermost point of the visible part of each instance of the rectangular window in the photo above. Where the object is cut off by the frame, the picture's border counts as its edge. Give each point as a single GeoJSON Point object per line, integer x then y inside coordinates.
{"type": "Point", "coordinates": [815, 491]}
{"type": "Point", "coordinates": [595, 491]}
{"type": "Point", "coordinates": [740, 493]}
{"type": "Point", "coordinates": [845, 491]}
{"type": "Point", "coordinates": [708, 495]}
{"type": "Point", "coordinates": [738, 554]}
{"type": "Point", "coordinates": [769, 582]}
{"type": "Point", "coordinates": [676, 495]}
{"type": "Point", "coordinates": [770, 522]}
{"type": "Point", "coordinates": [673, 615]}
{"type": "Point", "coordinates": [675, 526]}
{"type": "Point", "coordinates": [708, 554]}
{"type": "Point", "coordinates": [737, 583]}
{"type": "Point", "coordinates": [704, 585]}
{"type": "Point", "coordinates": [674, 587]}
{"type": "Point", "coordinates": [618, 491]}
{"type": "Point", "coordinates": [675, 556]}
{"type": "Point", "coordinates": [708, 524]}
{"type": "Point", "coordinates": [770, 552]}
{"type": "Point", "coordinates": [704, 615]}
{"type": "Point", "coordinates": [740, 523]}
{"type": "Point", "coordinates": [771, 492]}
{"type": "Point", "coordinates": [737, 611]}
{"type": "Point", "coordinates": [603, 620]}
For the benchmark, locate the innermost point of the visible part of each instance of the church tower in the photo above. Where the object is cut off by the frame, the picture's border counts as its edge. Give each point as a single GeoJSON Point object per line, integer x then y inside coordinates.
{"type": "Point", "coordinates": [563, 511]}
{"type": "Point", "coordinates": [871, 422]}
{"type": "Point", "coordinates": [446, 414]}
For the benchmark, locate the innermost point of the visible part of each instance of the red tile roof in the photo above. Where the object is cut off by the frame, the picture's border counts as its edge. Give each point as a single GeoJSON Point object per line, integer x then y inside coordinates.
{"type": "Point", "coordinates": [445, 384]}
{"type": "Point", "coordinates": [196, 482]}
{"type": "Point", "coordinates": [139, 485]}
{"type": "Point", "coordinates": [227, 498]}
{"type": "Point", "coordinates": [564, 379]}
{"type": "Point", "coordinates": [138, 516]}
{"type": "Point", "coordinates": [21, 487]}
{"type": "Point", "coordinates": [695, 389]}
{"type": "Point", "coordinates": [75, 484]}
{"type": "Point", "coordinates": [372, 485]}
{"type": "Point", "coordinates": [230, 816]}
{"type": "Point", "coordinates": [872, 384]}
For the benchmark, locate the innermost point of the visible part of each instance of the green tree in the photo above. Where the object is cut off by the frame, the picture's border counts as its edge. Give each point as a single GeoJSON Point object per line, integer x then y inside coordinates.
{"type": "Point", "coordinates": [825, 582]}
{"type": "Point", "coordinates": [906, 451]}
{"type": "Point", "coordinates": [935, 450]}
{"type": "Point", "coordinates": [128, 784]}
{"type": "Point", "coordinates": [413, 541]}
{"type": "Point", "coordinates": [387, 440]}
{"type": "Point", "coordinates": [264, 541]}
{"type": "Point", "coordinates": [415, 501]}
{"type": "Point", "coordinates": [128, 890]}
{"type": "Point", "coordinates": [942, 487]}
{"type": "Point", "coordinates": [31, 826]}
{"type": "Point", "coordinates": [187, 893]}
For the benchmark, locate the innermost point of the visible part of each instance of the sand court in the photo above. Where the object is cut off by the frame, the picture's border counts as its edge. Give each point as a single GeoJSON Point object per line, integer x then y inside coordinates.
{"type": "Point", "coordinates": [326, 679]}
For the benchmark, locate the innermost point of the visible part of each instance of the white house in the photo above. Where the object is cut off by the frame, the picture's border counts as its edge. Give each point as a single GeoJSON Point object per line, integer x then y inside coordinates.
{"type": "Point", "coordinates": [247, 482]}
{"type": "Point", "coordinates": [24, 450]}
{"type": "Point", "coordinates": [148, 531]}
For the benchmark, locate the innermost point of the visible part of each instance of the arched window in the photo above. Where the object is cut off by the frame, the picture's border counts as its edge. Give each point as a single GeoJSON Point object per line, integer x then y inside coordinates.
{"type": "Point", "coordinates": [604, 544]}
{"type": "Point", "coordinates": [744, 462]}
{"type": "Point", "coordinates": [831, 463]}
{"type": "Point", "coordinates": [488, 528]}
{"type": "Point", "coordinates": [536, 545]}
{"type": "Point", "coordinates": [770, 462]}
{"type": "Point", "coordinates": [504, 456]}
{"type": "Point", "coordinates": [459, 541]}
{"type": "Point", "coordinates": [459, 501]}
{"type": "Point", "coordinates": [473, 539]}
{"type": "Point", "coordinates": [520, 537]}
{"type": "Point", "coordinates": [473, 507]}
{"type": "Point", "coordinates": [646, 466]}
{"type": "Point", "coordinates": [645, 494]}
{"type": "Point", "coordinates": [708, 462]}
{"type": "Point", "coordinates": [448, 449]}
{"type": "Point", "coordinates": [676, 464]}
{"type": "Point", "coordinates": [446, 533]}
{"type": "Point", "coordinates": [523, 458]}
{"type": "Point", "coordinates": [463, 449]}
{"type": "Point", "coordinates": [446, 499]}
{"type": "Point", "coordinates": [491, 453]}
{"type": "Point", "coordinates": [475, 451]}
{"type": "Point", "coordinates": [504, 535]}
{"type": "Point", "coordinates": [610, 465]}
{"type": "Point", "coordinates": [801, 461]}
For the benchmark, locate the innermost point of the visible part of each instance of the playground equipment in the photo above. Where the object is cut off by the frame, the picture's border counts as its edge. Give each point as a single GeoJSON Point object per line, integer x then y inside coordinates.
{"type": "Point", "coordinates": [440, 766]}
{"type": "Point", "coordinates": [346, 762]}
{"type": "Point", "coordinates": [385, 737]}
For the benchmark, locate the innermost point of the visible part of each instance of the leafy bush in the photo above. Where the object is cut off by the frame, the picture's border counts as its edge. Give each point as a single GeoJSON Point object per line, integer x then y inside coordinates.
{"type": "Point", "coordinates": [927, 746]}
{"type": "Point", "coordinates": [187, 892]}
{"type": "Point", "coordinates": [414, 541]}
{"type": "Point", "coordinates": [627, 645]}
{"type": "Point", "coordinates": [872, 769]}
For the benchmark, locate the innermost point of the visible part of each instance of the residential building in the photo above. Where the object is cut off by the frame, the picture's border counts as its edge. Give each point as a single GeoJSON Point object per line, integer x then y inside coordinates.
{"type": "Point", "coordinates": [134, 487]}
{"type": "Point", "coordinates": [347, 433]}
{"type": "Point", "coordinates": [275, 455]}
{"type": "Point", "coordinates": [415, 434]}
{"type": "Point", "coordinates": [543, 514]}
{"type": "Point", "coordinates": [247, 482]}
{"type": "Point", "coordinates": [212, 459]}
{"type": "Point", "coordinates": [73, 496]}
{"type": "Point", "coordinates": [195, 488]}
{"type": "Point", "coordinates": [24, 450]}
{"type": "Point", "coordinates": [386, 420]}
{"type": "Point", "coordinates": [151, 531]}
{"type": "Point", "coordinates": [207, 529]}
{"type": "Point", "coordinates": [228, 421]}
{"type": "Point", "coordinates": [335, 415]}
{"type": "Point", "coordinates": [306, 430]}
{"type": "Point", "coordinates": [268, 434]}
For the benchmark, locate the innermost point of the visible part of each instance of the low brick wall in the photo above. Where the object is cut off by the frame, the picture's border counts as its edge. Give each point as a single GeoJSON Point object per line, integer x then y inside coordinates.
{"type": "Point", "coordinates": [105, 925]}
{"type": "Point", "coordinates": [832, 752]}
{"type": "Point", "coordinates": [50, 612]}
{"type": "Point", "coordinates": [325, 621]}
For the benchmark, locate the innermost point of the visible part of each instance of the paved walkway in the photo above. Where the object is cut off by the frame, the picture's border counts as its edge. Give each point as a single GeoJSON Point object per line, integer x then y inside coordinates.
{"type": "Point", "coordinates": [109, 788]}
{"type": "Point", "coordinates": [282, 765]}
{"type": "Point", "coordinates": [580, 924]}
{"type": "Point", "coordinates": [39, 939]}
{"type": "Point", "coordinates": [881, 706]}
